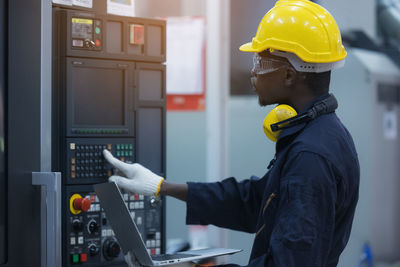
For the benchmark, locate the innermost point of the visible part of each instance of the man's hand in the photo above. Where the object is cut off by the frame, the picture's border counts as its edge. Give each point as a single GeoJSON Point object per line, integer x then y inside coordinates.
{"type": "Point", "coordinates": [131, 260]}
{"type": "Point", "coordinates": [137, 178]}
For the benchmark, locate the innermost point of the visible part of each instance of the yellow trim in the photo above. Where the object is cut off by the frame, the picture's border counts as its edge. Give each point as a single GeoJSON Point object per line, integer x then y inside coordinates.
{"type": "Point", "coordinates": [71, 204]}
{"type": "Point", "coordinates": [159, 187]}
{"type": "Point", "coordinates": [82, 21]}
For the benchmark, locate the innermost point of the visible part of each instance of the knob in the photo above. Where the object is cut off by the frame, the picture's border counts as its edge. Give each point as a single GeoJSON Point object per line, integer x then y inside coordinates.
{"type": "Point", "coordinates": [155, 201]}
{"type": "Point", "coordinates": [93, 226]}
{"type": "Point", "coordinates": [77, 225]}
{"type": "Point", "coordinates": [111, 249]}
{"type": "Point", "coordinates": [93, 250]}
{"type": "Point", "coordinates": [82, 204]}
{"type": "Point", "coordinates": [90, 43]}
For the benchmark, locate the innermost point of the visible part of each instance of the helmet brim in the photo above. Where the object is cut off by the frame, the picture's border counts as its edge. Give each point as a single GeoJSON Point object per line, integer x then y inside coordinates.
{"type": "Point", "coordinates": [248, 47]}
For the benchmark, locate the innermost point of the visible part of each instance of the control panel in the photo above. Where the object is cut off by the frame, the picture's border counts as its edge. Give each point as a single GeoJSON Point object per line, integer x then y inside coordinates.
{"type": "Point", "coordinates": [108, 93]}
{"type": "Point", "coordinates": [85, 162]}
{"type": "Point", "coordinates": [86, 33]}
{"type": "Point", "coordinates": [90, 238]}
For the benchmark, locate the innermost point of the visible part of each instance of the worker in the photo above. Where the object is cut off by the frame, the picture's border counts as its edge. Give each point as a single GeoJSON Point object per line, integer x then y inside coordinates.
{"type": "Point", "coordinates": [302, 209]}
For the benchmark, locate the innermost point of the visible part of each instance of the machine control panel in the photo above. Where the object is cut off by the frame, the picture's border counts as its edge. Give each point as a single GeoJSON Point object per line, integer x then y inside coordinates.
{"type": "Point", "coordinates": [86, 33]}
{"type": "Point", "coordinates": [90, 238]}
{"type": "Point", "coordinates": [85, 159]}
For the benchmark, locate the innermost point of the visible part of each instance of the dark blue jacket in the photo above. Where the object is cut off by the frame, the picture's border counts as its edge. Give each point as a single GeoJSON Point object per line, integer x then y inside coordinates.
{"type": "Point", "coordinates": [302, 209]}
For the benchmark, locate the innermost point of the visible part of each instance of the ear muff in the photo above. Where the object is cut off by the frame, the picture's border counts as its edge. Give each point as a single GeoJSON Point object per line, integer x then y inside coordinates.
{"type": "Point", "coordinates": [277, 114]}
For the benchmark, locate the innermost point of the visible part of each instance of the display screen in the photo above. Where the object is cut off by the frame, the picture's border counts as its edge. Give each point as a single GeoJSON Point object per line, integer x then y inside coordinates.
{"type": "Point", "coordinates": [82, 28]}
{"type": "Point", "coordinates": [98, 97]}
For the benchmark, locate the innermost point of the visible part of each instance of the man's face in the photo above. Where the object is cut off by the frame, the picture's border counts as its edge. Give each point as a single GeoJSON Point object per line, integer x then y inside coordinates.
{"type": "Point", "coordinates": [268, 79]}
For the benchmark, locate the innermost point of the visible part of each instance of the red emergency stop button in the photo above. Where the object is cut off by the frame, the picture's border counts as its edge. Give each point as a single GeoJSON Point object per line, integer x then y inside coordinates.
{"type": "Point", "coordinates": [83, 257]}
{"type": "Point", "coordinates": [82, 204]}
{"type": "Point", "coordinates": [98, 43]}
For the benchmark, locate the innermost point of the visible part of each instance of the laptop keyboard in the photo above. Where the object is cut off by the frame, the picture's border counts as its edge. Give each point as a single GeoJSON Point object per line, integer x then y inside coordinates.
{"type": "Point", "coordinates": [171, 256]}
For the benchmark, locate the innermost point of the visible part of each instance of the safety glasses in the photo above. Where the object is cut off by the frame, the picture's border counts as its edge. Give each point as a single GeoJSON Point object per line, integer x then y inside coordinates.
{"type": "Point", "coordinates": [264, 65]}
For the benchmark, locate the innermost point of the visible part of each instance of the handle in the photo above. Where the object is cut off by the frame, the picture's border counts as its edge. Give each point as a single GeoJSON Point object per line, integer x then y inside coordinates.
{"type": "Point", "coordinates": [50, 216]}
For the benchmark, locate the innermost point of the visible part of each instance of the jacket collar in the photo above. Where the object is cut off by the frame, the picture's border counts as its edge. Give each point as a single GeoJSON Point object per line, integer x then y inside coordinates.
{"type": "Point", "coordinates": [297, 128]}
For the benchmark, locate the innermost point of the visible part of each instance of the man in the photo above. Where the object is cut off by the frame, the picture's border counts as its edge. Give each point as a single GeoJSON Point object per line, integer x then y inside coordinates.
{"type": "Point", "coordinates": [302, 209]}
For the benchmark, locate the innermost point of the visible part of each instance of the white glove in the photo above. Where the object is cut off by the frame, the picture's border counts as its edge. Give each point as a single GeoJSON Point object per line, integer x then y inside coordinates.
{"type": "Point", "coordinates": [131, 260]}
{"type": "Point", "coordinates": [138, 179]}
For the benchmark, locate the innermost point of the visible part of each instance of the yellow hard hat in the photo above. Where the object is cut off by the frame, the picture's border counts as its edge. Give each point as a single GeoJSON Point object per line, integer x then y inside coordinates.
{"type": "Point", "coordinates": [279, 113]}
{"type": "Point", "coordinates": [300, 27]}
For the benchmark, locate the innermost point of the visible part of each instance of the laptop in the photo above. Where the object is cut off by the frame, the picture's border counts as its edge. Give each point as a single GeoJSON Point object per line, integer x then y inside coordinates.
{"type": "Point", "coordinates": [129, 237]}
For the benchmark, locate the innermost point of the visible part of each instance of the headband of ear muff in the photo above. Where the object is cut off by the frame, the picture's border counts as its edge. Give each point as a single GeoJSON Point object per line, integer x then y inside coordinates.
{"type": "Point", "coordinates": [277, 114]}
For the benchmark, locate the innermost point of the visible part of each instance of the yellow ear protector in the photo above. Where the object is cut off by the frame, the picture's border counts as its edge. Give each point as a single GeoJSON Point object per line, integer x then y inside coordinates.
{"type": "Point", "coordinates": [284, 116]}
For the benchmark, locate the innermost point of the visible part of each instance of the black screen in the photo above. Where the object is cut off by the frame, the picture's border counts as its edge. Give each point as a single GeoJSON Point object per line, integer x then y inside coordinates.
{"type": "Point", "coordinates": [3, 184]}
{"type": "Point", "coordinates": [98, 97]}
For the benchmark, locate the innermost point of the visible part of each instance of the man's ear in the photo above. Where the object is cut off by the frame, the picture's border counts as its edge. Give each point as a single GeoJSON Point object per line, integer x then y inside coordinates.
{"type": "Point", "coordinates": [291, 75]}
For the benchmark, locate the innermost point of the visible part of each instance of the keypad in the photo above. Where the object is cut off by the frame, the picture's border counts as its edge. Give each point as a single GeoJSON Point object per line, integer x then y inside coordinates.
{"type": "Point", "coordinates": [87, 160]}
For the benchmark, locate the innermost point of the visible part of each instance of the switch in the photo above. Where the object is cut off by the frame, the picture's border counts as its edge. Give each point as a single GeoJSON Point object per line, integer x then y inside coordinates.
{"type": "Point", "coordinates": [83, 257]}
{"type": "Point", "coordinates": [80, 240]}
{"type": "Point", "coordinates": [75, 258]}
{"type": "Point", "coordinates": [73, 241]}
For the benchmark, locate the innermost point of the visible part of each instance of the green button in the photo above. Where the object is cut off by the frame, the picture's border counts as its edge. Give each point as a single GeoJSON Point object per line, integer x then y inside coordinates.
{"type": "Point", "coordinates": [130, 146]}
{"type": "Point", "coordinates": [75, 258]}
{"type": "Point", "coordinates": [118, 146]}
{"type": "Point", "coordinates": [118, 154]}
{"type": "Point", "coordinates": [130, 153]}
{"type": "Point", "coordinates": [97, 30]}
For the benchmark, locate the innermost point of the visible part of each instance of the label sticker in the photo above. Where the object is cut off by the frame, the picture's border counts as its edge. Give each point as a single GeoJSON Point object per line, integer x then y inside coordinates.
{"type": "Point", "coordinates": [83, 3]}
{"type": "Point", "coordinates": [390, 125]}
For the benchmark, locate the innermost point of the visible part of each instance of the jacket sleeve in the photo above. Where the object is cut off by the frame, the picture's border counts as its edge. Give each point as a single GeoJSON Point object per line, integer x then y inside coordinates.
{"type": "Point", "coordinates": [229, 204]}
{"type": "Point", "coordinates": [304, 227]}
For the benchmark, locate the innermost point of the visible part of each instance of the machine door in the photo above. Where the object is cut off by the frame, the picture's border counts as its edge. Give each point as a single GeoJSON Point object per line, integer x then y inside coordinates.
{"type": "Point", "coordinates": [3, 184]}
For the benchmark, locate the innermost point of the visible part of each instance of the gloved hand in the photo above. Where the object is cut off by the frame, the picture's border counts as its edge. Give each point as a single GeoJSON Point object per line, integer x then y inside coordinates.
{"type": "Point", "coordinates": [131, 260]}
{"type": "Point", "coordinates": [137, 178]}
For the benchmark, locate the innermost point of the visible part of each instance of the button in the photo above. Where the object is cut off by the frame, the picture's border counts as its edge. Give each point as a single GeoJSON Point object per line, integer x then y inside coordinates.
{"type": "Point", "coordinates": [130, 146]}
{"type": "Point", "coordinates": [153, 251]}
{"type": "Point", "coordinates": [137, 205]}
{"type": "Point", "coordinates": [80, 240]}
{"type": "Point", "coordinates": [136, 196]}
{"type": "Point", "coordinates": [158, 235]}
{"type": "Point", "coordinates": [75, 258]}
{"type": "Point", "coordinates": [98, 43]}
{"type": "Point", "coordinates": [130, 153]}
{"type": "Point", "coordinates": [103, 232]}
{"type": "Point", "coordinates": [141, 205]}
{"type": "Point", "coordinates": [126, 197]}
{"type": "Point", "coordinates": [139, 220]}
{"type": "Point", "coordinates": [109, 232]}
{"type": "Point", "coordinates": [132, 205]}
{"type": "Point", "coordinates": [82, 204]}
{"type": "Point", "coordinates": [72, 146]}
{"type": "Point", "coordinates": [153, 243]}
{"type": "Point", "coordinates": [118, 154]}
{"type": "Point", "coordinates": [73, 175]}
{"type": "Point", "coordinates": [72, 168]}
{"type": "Point", "coordinates": [83, 257]}
{"type": "Point", "coordinates": [141, 197]}
{"type": "Point", "coordinates": [73, 240]}
{"type": "Point", "coordinates": [148, 243]}
{"type": "Point", "coordinates": [158, 243]}
{"type": "Point", "coordinates": [133, 215]}
{"type": "Point", "coordinates": [132, 197]}
{"type": "Point", "coordinates": [118, 146]}
{"type": "Point", "coordinates": [158, 251]}
{"type": "Point", "coordinates": [73, 161]}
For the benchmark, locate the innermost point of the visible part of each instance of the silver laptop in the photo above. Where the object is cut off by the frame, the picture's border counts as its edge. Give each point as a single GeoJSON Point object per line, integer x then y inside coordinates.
{"type": "Point", "coordinates": [129, 237]}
